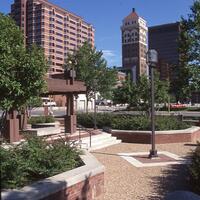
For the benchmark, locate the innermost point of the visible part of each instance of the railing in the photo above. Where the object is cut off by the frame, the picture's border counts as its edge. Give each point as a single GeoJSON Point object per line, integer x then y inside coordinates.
{"type": "Point", "coordinates": [82, 128]}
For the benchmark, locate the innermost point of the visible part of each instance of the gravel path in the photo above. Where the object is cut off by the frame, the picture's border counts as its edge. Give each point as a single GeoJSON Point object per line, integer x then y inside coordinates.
{"type": "Point", "coordinates": [123, 181]}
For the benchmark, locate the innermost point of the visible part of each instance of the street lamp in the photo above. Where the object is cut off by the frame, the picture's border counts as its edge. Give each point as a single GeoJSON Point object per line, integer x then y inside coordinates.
{"type": "Point", "coordinates": [95, 108]}
{"type": "Point", "coordinates": [152, 58]}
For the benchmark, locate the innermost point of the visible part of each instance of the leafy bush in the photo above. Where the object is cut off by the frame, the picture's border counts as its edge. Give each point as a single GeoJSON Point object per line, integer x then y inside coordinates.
{"type": "Point", "coordinates": [35, 159]}
{"type": "Point", "coordinates": [41, 119]}
{"type": "Point", "coordinates": [87, 119]}
{"type": "Point", "coordinates": [130, 122]}
{"type": "Point", "coordinates": [170, 123]}
{"type": "Point", "coordinates": [127, 122]}
{"type": "Point", "coordinates": [194, 170]}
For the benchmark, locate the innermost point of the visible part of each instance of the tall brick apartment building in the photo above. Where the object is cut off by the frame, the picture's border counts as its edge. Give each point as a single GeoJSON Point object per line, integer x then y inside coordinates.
{"type": "Point", "coordinates": [134, 44]}
{"type": "Point", "coordinates": [55, 29]}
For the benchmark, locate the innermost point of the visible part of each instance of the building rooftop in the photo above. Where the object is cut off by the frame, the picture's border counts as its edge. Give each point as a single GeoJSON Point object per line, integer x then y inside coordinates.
{"type": "Point", "coordinates": [132, 15]}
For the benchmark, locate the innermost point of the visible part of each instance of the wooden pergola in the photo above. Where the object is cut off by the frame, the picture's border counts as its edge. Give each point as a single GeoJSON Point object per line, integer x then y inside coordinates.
{"type": "Point", "coordinates": [57, 84]}
{"type": "Point", "coordinates": [65, 84]}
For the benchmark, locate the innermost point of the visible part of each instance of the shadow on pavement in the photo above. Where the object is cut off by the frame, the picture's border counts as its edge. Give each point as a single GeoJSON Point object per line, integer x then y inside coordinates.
{"type": "Point", "coordinates": [175, 177]}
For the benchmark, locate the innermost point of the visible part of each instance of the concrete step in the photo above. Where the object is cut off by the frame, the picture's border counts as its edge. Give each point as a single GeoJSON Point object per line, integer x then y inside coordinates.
{"type": "Point", "coordinates": [99, 141]}
{"type": "Point", "coordinates": [104, 145]}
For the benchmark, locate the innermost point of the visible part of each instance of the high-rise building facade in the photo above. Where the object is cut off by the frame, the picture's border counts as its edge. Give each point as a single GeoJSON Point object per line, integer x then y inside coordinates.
{"type": "Point", "coordinates": [164, 39]}
{"type": "Point", "coordinates": [134, 44]}
{"type": "Point", "coordinates": [58, 31]}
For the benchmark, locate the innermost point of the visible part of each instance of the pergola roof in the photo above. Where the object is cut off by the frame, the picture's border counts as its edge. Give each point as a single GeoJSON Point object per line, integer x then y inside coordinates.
{"type": "Point", "coordinates": [62, 86]}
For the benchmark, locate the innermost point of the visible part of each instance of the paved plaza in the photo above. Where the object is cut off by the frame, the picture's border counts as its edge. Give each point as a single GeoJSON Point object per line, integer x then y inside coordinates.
{"type": "Point", "coordinates": [125, 181]}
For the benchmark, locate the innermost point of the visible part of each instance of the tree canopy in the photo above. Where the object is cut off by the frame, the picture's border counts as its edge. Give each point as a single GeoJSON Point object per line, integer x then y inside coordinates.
{"type": "Point", "coordinates": [138, 95]}
{"type": "Point", "coordinates": [187, 73]}
{"type": "Point", "coordinates": [22, 69]}
{"type": "Point", "coordinates": [92, 68]}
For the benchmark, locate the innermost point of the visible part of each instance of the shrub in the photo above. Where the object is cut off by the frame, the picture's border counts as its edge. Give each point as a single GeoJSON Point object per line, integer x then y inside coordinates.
{"type": "Point", "coordinates": [169, 123]}
{"type": "Point", "coordinates": [127, 122]}
{"type": "Point", "coordinates": [41, 119]}
{"type": "Point", "coordinates": [87, 119]}
{"type": "Point", "coordinates": [194, 170]}
{"type": "Point", "coordinates": [130, 122]}
{"type": "Point", "coordinates": [35, 159]}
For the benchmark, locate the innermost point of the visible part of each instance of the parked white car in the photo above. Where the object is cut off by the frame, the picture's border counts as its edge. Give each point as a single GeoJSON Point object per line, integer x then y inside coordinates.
{"type": "Point", "coordinates": [48, 102]}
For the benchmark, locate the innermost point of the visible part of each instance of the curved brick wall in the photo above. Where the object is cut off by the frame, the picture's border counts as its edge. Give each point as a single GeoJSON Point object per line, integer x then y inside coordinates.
{"type": "Point", "coordinates": [144, 137]}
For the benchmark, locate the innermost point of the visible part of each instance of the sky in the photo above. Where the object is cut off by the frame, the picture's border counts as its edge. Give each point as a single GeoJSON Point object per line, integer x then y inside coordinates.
{"type": "Point", "coordinates": [106, 16]}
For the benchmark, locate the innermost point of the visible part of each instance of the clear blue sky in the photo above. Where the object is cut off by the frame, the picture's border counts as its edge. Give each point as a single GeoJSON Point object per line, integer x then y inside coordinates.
{"type": "Point", "coordinates": [106, 17]}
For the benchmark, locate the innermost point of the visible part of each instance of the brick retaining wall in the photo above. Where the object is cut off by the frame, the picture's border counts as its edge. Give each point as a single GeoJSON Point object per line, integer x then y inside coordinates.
{"type": "Point", "coordinates": [161, 137]}
{"type": "Point", "coordinates": [85, 182]}
{"type": "Point", "coordinates": [89, 189]}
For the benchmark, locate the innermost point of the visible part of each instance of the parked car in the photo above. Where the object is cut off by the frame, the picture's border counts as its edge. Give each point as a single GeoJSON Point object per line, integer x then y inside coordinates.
{"type": "Point", "coordinates": [178, 105]}
{"type": "Point", "coordinates": [48, 102]}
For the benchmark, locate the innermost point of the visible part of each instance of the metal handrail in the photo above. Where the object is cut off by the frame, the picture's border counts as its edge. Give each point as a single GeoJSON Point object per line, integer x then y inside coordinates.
{"type": "Point", "coordinates": [82, 128]}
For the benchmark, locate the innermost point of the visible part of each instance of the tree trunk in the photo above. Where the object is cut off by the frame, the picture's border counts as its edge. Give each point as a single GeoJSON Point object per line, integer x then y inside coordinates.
{"type": "Point", "coordinates": [86, 103]}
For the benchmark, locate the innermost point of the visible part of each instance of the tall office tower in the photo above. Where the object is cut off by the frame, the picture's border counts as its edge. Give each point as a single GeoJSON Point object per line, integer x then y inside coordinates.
{"type": "Point", "coordinates": [164, 39]}
{"type": "Point", "coordinates": [134, 44]}
{"type": "Point", "coordinates": [55, 29]}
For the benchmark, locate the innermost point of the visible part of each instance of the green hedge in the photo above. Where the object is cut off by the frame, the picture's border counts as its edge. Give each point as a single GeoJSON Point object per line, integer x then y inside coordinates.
{"type": "Point", "coordinates": [194, 170]}
{"type": "Point", "coordinates": [130, 122]}
{"type": "Point", "coordinates": [35, 160]}
{"type": "Point", "coordinates": [41, 119]}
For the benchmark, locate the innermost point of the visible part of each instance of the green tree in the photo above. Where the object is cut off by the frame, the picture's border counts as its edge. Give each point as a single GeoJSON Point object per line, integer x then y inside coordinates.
{"type": "Point", "coordinates": [91, 68]}
{"type": "Point", "coordinates": [138, 95]}
{"type": "Point", "coordinates": [187, 73]}
{"type": "Point", "coordinates": [22, 70]}
{"type": "Point", "coordinates": [123, 94]}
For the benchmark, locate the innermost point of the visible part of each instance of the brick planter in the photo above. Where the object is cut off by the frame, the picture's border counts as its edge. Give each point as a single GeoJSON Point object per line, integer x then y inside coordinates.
{"type": "Point", "coordinates": [144, 137]}
{"type": "Point", "coordinates": [86, 182]}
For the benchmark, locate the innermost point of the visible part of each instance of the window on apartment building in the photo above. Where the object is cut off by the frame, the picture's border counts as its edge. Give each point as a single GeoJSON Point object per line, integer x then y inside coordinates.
{"type": "Point", "coordinates": [72, 39]}
{"type": "Point", "coordinates": [58, 40]}
{"type": "Point", "coordinates": [58, 58]}
{"type": "Point", "coordinates": [58, 64]}
{"type": "Point", "coordinates": [59, 46]}
{"type": "Point", "coordinates": [84, 27]}
{"type": "Point", "coordinates": [59, 34]}
{"type": "Point", "coordinates": [58, 28]}
{"type": "Point", "coordinates": [51, 44]}
{"type": "Point", "coordinates": [72, 44]}
{"type": "Point", "coordinates": [84, 32]}
{"type": "Point", "coordinates": [59, 22]}
{"type": "Point", "coordinates": [72, 28]}
{"type": "Point", "coordinates": [51, 38]}
{"type": "Point", "coordinates": [72, 33]}
{"type": "Point", "coordinates": [51, 50]}
{"type": "Point", "coordinates": [72, 22]}
{"type": "Point", "coordinates": [51, 31]}
{"type": "Point", "coordinates": [59, 52]}
{"type": "Point", "coordinates": [66, 31]}
{"type": "Point", "coordinates": [59, 16]}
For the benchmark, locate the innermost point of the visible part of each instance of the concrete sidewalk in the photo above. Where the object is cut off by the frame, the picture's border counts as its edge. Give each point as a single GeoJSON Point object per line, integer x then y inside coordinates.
{"type": "Point", "coordinates": [126, 182]}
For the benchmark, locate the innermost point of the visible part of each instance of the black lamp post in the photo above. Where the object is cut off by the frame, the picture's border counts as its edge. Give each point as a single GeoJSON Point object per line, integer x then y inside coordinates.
{"type": "Point", "coordinates": [95, 108]}
{"type": "Point", "coordinates": [152, 61]}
